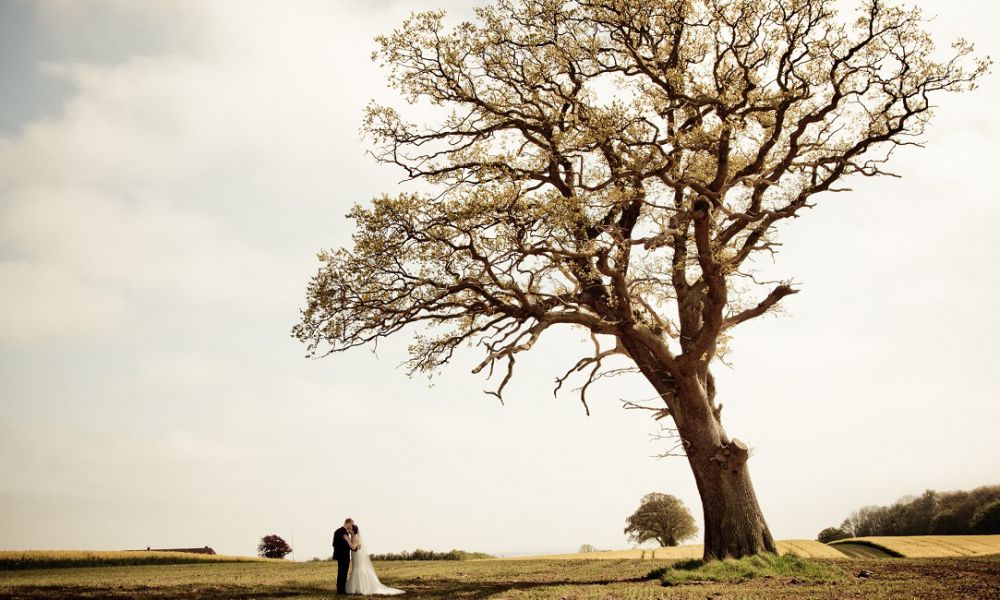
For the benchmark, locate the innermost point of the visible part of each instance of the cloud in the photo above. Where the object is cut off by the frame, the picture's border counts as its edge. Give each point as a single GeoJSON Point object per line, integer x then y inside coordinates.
{"type": "Point", "coordinates": [132, 246]}
{"type": "Point", "coordinates": [187, 175]}
{"type": "Point", "coordinates": [43, 303]}
{"type": "Point", "coordinates": [156, 235]}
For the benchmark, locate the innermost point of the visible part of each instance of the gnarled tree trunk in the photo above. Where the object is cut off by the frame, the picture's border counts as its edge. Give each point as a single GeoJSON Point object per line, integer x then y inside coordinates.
{"type": "Point", "coordinates": [734, 524]}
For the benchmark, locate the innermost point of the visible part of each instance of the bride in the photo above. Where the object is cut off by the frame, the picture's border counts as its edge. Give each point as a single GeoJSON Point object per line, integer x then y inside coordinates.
{"type": "Point", "coordinates": [363, 579]}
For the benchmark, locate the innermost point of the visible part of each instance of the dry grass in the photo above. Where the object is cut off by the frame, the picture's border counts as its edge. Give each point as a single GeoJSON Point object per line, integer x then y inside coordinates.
{"type": "Point", "coordinates": [803, 548]}
{"type": "Point", "coordinates": [807, 549]}
{"type": "Point", "coordinates": [671, 553]}
{"type": "Point", "coordinates": [899, 579]}
{"type": "Point", "coordinates": [933, 546]}
{"type": "Point", "coordinates": [47, 559]}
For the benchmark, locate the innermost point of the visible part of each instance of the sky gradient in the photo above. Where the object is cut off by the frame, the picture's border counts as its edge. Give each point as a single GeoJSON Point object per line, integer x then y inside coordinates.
{"type": "Point", "coordinates": [168, 172]}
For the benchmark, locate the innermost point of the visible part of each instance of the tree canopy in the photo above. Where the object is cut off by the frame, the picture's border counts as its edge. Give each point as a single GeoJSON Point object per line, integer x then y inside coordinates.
{"type": "Point", "coordinates": [617, 166]}
{"type": "Point", "coordinates": [660, 517]}
{"type": "Point", "coordinates": [613, 165]}
{"type": "Point", "coordinates": [273, 546]}
{"type": "Point", "coordinates": [931, 513]}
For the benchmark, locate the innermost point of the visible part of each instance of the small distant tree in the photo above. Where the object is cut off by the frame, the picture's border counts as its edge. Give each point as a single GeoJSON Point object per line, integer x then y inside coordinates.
{"type": "Point", "coordinates": [272, 546]}
{"type": "Point", "coordinates": [832, 534]}
{"type": "Point", "coordinates": [660, 517]}
{"type": "Point", "coordinates": [987, 519]}
{"type": "Point", "coordinates": [584, 548]}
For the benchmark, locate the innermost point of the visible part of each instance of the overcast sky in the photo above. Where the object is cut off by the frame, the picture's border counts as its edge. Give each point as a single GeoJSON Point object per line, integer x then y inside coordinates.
{"type": "Point", "coordinates": [168, 171]}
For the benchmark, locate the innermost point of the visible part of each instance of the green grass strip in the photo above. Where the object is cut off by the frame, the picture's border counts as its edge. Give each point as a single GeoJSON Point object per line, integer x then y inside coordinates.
{"type": "Point", "coordinates": [870, 544]}
{"type": "Point", "coordinates": [733, 570]}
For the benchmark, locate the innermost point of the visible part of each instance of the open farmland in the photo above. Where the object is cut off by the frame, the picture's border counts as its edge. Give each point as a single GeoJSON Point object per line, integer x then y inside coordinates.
{"type": "Point", "coordinates": [928, 546]}
{"type": "Point", "coordinates": [965, 567]}
{"type": "Point", "coordinates": [938, 579]}
{"type": "Point", "coordinates": [803, 548]}
{"type": "Point", "coordinates": [917, 546]}
{"type": "Point", "coordinates": [53, 559]}
{"type": "Point", "coordinates": [863, 550]}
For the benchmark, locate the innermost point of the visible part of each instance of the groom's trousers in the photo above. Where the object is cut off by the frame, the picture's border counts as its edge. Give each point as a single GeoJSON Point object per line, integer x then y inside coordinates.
{"type": "Point", "coordinates": [342, 565]}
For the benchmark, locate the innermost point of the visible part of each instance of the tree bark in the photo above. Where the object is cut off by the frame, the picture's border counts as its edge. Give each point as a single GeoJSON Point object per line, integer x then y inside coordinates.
{"type": "Point", "coordinates": [734, 524]}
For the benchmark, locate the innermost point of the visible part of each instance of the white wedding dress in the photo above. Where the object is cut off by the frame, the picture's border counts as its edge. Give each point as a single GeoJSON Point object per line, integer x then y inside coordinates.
{"type": "Point", "coordinates": [363, 579]}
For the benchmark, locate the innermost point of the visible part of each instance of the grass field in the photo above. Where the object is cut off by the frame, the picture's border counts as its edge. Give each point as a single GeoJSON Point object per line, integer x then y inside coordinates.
{"type": "Point", "coordinates": [970, 569]}
{"type": "Point", "coordinates": [49, 559]}
{"type": "Point", "coordinates": [864, 550]}
{"type": "Point", "coordinates": [930, 546]}
{"type": "Point", "coordinates": [940, 579]}
{"type": "Point", "coordinates": [804, 548]}
{"type": "Point", "coordinates": [917, 546]}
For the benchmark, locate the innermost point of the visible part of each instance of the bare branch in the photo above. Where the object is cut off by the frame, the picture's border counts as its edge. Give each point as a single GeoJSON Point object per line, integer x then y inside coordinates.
{"type": "Point", "coordinates": [771, 300]}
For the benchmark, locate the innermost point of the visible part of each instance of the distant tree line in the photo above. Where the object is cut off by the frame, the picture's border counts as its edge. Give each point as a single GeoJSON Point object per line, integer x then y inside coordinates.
{"type": "Point", "coordinates": [419, 554]}
{"type": "Point", "coordinates": [932, 513]}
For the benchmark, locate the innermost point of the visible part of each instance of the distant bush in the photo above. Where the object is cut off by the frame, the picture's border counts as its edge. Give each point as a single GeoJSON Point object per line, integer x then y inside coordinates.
{"type": "Point", "coordinates": [932, 513]}
{"type": "Point", "coordinates": [832, 534]}
{"type": "Point", "coordinates": [987, 518]}
{"type": "Point", "coordinates": [419, 554]}
{"type": "Point", "coordinates": [584, 548]}
{"type": "Point", "coordinates": [272, 546]}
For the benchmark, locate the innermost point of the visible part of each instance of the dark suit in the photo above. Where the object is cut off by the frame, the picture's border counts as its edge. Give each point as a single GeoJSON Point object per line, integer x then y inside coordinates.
{"type": "Point", "coordinates": [341, 554]}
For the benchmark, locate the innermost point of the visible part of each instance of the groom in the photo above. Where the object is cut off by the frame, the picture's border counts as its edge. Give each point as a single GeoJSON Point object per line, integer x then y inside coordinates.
{"type": "Point", "coordinates": [342, 553]}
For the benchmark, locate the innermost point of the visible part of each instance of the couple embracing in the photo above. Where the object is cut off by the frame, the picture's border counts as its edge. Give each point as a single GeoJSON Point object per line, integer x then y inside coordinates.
{"type": "Point", "coordinates": [362, 579]}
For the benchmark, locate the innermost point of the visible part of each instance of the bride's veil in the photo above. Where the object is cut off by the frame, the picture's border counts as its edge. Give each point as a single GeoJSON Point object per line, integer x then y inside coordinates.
{"type": "Point", "coordinates": [362, 545]}
{"type": "Point", "coordinates": [363, 579]}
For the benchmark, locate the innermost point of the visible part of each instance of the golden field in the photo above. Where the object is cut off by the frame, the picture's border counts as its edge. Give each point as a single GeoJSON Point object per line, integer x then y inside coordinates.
{"type": "Point", "coordinates": [803, 548]}
{"type": "Point", "coordinates": [42, 559]}
{"type": "Point", "coordinates": [916, 546]}
{"type": "Point", "coordinates": [921, 546]}
{"type": "Point", "coordinates": [932, 546]}
{"type": "Point", "coordinates": [926, 578]}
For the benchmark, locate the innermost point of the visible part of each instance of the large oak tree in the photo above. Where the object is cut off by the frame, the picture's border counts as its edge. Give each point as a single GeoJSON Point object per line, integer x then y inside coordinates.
{"type": "Point", "coordinates": [615, 166]}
